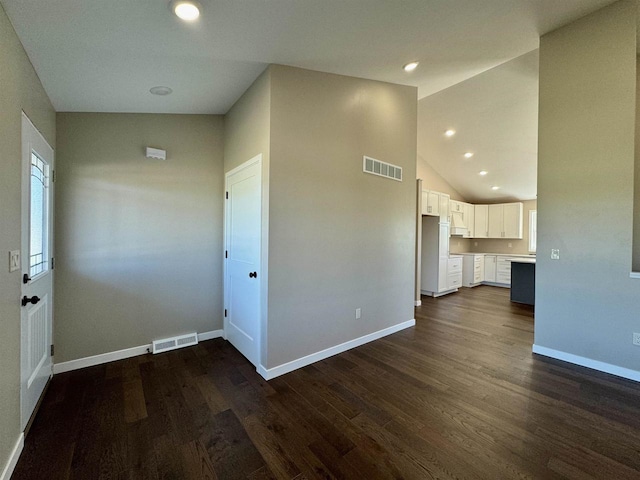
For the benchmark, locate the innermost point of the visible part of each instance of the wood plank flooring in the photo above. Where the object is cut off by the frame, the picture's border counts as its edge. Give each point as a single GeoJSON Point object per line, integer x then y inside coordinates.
{"type": "Point", "coordinates": [460, 396]}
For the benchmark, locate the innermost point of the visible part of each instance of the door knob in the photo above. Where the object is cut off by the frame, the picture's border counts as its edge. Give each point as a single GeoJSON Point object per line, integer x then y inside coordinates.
{"type": "Point", "coordinates": [253, 274]}
{"type": "Point", "coordinates": [26, 300]}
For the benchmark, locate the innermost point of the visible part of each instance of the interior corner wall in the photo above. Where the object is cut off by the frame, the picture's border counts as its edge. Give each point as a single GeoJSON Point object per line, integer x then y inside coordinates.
{"type": "Point", "coordinates": [340, 239]}
{"type": "Point", "coordinates": [21, 90]}
{"type": "Point", "coordinates": [247, 133]}
{"type": "Point", "coordinates": [247, 124]}
{"type": "Point", "coordinates": [586, 304]}
{"type": "Point", "coordinates": [138, 240]}
{"type": "Point", "coordinates": [432, 180]}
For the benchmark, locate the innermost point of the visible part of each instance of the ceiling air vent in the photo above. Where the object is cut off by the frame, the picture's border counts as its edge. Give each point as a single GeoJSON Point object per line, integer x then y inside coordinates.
{"type": "Point", "coordinates": [382, 169]}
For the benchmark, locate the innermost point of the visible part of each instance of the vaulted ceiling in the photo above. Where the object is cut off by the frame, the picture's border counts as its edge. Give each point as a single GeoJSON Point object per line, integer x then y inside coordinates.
{"type": "Point", "coordinates": [495, 118]}
{"type": "Point", "coordinates": [104, 56]}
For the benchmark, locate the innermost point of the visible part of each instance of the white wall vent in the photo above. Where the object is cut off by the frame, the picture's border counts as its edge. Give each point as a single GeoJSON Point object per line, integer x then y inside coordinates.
{"type": "Point", "coordinates": [172, 343]}
{"type": "Point", "coordinates": [382, 169]}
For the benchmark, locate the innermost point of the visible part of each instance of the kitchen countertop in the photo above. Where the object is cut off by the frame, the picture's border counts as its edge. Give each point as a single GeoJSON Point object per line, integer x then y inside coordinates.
{"type": "Point", "coordinates": [523, 255]}
{"type": "Point", "coordinates": [524, 260]}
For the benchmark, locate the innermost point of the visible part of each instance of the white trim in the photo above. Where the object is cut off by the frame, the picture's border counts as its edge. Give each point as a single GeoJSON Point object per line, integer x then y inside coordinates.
{"type": "Point", "coordinates": [210, 335]}
{"type": "Point", "coordinates": [118, 355]}
{"type": "Point", "coordinates": [13, 459]}
{"type": "Point", "coordinates": [634, 275]}
{"type": "Point", "coordinates": [588, 362]}
{"type": "Point", "coordinates": [429, 293]}
{"type": "Point", "coordinates": [274, 372]}
{"type": "Point", "coordinates": [417, 303]}
{"type": "Point", "coordinates": [533, 227]}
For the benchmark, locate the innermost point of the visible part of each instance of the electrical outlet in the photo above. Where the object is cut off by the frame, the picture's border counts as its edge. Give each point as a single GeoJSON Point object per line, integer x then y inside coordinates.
{"type": "Point", "coordinates": [636, 339]}
{"type": "Point", "coordinates": [510, 245]}
{"type": "Point", "coordinates": [14, 260]}
{"type": "Point", "coordinates": [358, 313]}
{"type": "Point", "coordinates": [555, 254]}
{"type": "Point", "coordinates": [475, 244]}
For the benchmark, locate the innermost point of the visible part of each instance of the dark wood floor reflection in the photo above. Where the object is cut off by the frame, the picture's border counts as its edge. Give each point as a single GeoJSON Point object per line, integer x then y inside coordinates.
{"type": "Point", "coordinates": [458, 396]}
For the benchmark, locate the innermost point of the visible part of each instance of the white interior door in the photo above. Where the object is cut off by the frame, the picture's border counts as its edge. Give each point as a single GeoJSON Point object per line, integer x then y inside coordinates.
{"type": "Point", "coordinates": [243, 228]}
{"type": "Point", "coordinates": [37, 281]}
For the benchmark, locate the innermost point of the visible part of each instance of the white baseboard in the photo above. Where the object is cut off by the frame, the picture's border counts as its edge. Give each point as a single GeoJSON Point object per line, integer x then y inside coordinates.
{"type": "Point", "coordinates": [417, 303]}
{"type": "Point", "coordinates": [494, 284]}
{"type": "Point", "coordinates": [438, 294]}
{"type": "Point", "coordinates": [210, 335]}
{"type": "Point", "coordinates": [588, 362]}
{"type": "Point", "coordinates": [274, 372]}
{"type": "Point", "coordinates": [13, 459]}
{"type": "Point", "coordinates": [118, 355]}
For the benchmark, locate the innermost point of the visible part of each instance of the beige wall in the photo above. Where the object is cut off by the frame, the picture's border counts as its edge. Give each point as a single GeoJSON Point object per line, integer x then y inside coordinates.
{"type": "Point", "coordinates": [340, 239]}
{"type": "Point", "coordinates": [586, 304]}
{"type": "Point", "coordinates": [499, 245]}
{"type": "Point", "coordinates": [247, 124]}
{"type": "Point", "coordinates": [139, 241]}
{"type": "Point", "coordinates": [432, 180]}
{"type": "Point", "coordinates": [636, 189]}
{"type": "Point", "coordinates": [20, 90]}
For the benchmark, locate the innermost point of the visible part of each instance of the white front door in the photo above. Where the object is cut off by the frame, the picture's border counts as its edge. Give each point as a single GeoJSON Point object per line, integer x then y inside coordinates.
{"type": "Point", "coordinates": [37, 280]}
{"type": "Point", "coordinates": [243, 228]}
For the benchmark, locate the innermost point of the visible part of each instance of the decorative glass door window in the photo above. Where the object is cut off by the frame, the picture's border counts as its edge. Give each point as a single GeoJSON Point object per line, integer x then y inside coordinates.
{"type": "Point", "coordinates": [39, 216]}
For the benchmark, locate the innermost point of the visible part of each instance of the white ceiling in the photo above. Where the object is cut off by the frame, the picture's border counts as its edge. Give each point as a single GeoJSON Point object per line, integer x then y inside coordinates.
{"type": "Point", "coordinates": [495, 116]}
{"type": "Point", "coordinates": [104, 55]}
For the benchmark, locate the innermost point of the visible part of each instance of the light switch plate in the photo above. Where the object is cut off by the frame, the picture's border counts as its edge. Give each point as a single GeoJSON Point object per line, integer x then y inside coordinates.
{"type": "Point", "coordinates": [555, 254]}
{"type": "Point", "coordinates": [14, 260]}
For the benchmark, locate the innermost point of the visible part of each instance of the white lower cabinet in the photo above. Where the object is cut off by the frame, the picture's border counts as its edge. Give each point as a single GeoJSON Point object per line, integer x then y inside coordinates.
{"type": "Point", "coordinates": [472, 270]}
{"type": "Point", "coordinates": [485, 268]}
{"type": "Point", "coordinates": [454, 272]}
{"type": "Point", "coordinates": [503, 268]}
{"type": "Point", "coordinates": [489, 268]}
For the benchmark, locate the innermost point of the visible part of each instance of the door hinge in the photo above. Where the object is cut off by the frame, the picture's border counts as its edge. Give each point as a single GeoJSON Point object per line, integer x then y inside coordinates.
{"type": "Point", "coordinates": [53, 176]}
{"type": "Point", "coordinates": [52, 349]}
{"type": "Point", "coordinates": [225, 313]}
{"type": "Point", "coordinates": [227, 195]}
{"type": "Point", "coordinates": [226, 254]}
{"type": "Point", "coordinates": [53, 263]}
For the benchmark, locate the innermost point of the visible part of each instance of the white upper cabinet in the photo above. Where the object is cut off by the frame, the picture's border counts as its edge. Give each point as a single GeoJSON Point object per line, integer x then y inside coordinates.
{"type": "Point", "coordinates": [456, 206]}
{"type": "Point", "coordinates": [469, 220]}
{"type": "Point", "coordinates": [513, 220]}
{"type": "Point", "coordinates": [505, 220]}
{"type": "Point", "coordinates": [430, 203]}
{"type": "Point", "coordinates": [444, 207]}
{"type": "Point", "coordinates": [435, 204]}
{"type": "Point", "coordinates": [496, 221]}
{"type": "Point", "coordinates": [481, 221]}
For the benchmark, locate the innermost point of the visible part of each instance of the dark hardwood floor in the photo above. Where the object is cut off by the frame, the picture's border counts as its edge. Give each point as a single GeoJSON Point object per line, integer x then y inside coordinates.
{"type": "Point", "coordinates": [458, 396]}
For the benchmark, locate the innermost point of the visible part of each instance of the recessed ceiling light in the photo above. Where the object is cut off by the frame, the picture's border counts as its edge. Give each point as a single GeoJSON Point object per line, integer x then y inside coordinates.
{"type": "Point", "coordinates": [495, 188]}
{"type": "Point", "coordinates": [186, 9]}
{"type": "Point", "coordinates": [468, 155]}
{"type": "Point", "coordinates": [482, 172]}
{"type": "Point", "coordinates": [160, 90]}
{"type": "Point", "coordinates": [410, 67]}
{"type": "Point", "coordinates": [450, 133]}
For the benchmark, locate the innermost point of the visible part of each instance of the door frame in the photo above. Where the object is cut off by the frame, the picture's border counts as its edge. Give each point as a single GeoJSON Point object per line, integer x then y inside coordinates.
{"type": "Point", "coordinates": [264, 254]}
{"type": "Point", "coordinates": [25, 200]}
